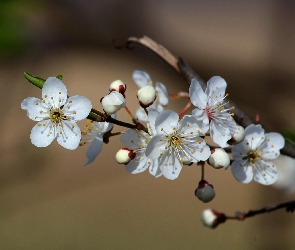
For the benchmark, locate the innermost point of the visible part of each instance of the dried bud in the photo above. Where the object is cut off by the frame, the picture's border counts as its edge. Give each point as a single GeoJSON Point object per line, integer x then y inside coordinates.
{"type": "Point", "coordinates": [118, 86]}
{"type": "Point", "coordinates": [205, 191]}
{"type": "Point", "coordinates": [113, 102]}
{"type": "Point", "coordinates": [146, 96]}
{"type": "Point", "coordinates": [212, 218]}
{"type": "Point", "coordinates": [238, 136]}
{"type": "Point", "coordinates": [125, 155]}
{"type": "Point", "coordinates": [219, 158]}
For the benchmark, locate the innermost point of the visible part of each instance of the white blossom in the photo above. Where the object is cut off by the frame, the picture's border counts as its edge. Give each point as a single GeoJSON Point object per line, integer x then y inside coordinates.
{"type": "Point", "coordinates": [253, 157]}
{"type": "Point", "coordinates": [93, 133]}
{"type": "Point", "coordinates": [210, 109]}
{"type": "Point", "coordinates": [177, 141]}
{"type": "Point", "coordinates": [136, 141]}
{"type": "Point", "coordinates": [56, 115]}
{"type": "Point", "coordinates": [143, 79]}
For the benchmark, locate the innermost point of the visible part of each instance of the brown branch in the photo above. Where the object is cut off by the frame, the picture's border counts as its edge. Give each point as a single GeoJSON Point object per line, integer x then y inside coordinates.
{"type": "Point", "coordinates": [181, 67]}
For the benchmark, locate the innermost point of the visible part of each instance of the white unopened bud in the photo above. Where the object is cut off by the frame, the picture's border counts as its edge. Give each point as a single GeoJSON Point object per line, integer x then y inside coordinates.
{"type": "Point", "coordinates": [125, 155]}
{"type": "Point", "coordinates": [113, 102]}
{"type": "Point", "coordinates": [219, 158]}
{"type": "Point", "coordinates": [118, 86]}
{"type": "Point", "coordinates": [238, 136]}
{"type": "Point", "coordinates": [205, 191]}
{"type": "Point", "coordinates": [146, 96]}
{"type": "Point", "coordinates": [211, 218]}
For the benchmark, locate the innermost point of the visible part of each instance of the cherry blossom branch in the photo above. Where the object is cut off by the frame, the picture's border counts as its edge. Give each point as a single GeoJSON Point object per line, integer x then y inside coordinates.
{"type": "Point", "coordinates": [182, 67]}
{"type": "Point", "coordinates": [241, 216]}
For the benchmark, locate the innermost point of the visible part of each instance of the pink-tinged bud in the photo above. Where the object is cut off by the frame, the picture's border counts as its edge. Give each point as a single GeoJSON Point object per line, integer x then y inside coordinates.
{"type": "Point", "coordinates": [205, 191]}
{"type": "Point", "coordinates": [212, 218]}
{"type": "Point", "coordinates": [219, 158]}
{"type": "Point", "coordinates": [113, 102]}
{"type": "Point", "coordinates": [146, 96]}
{"type": "Point", "coordinates": [118, 86]}
{"type": "Point", "coordinates": [125, 155]}
{"type": "Point", "coordinates": [238, 136]}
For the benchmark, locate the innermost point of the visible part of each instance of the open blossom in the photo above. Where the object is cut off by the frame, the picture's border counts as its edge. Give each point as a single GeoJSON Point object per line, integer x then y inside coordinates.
{"type": "Point", "coordinates": [94, 133]}
{"type": "Point", "coordinates": [56, 115]}
{"type": "Point", "coordinates": [210, 109]}
{"type": "Point", "coordinates": [253, 157]}
{"type": "Point", "coordinates": [143, 79]}
{"type": "Point", "coordinates": [136, 141]}
{"type": "Point", "coordinates": [176, 142]}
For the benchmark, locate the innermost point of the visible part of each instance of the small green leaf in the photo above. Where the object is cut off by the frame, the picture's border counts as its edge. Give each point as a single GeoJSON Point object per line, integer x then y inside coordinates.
{"type": "Point", "coordinates": [59, 77]}
{"type": "Point", "coordinates": [38, 82]}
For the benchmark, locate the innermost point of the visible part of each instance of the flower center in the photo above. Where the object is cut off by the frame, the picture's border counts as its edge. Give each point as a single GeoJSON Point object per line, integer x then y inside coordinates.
{"type": "Point", "coordinates": [56, 115]}
{"type": "Point", "coordinates": [174, 140]}
{"type": "Point", "coordinates": [213, 111]}
{"type": "Point", "coordinates": [253, 156]}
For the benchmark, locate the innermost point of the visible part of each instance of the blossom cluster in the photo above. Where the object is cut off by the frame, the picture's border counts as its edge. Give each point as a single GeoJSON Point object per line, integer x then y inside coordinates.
{"type": "Point", "coordinates": [159, 140]}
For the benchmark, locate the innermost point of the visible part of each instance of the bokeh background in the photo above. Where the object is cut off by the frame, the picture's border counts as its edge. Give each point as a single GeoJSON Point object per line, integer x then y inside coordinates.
{"type": "Point", "coordinates": [50, 201]}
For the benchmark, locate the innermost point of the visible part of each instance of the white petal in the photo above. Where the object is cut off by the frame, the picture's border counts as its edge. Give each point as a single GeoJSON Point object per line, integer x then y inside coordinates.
{"type": "Point", "coordinates": [167, 122]}
{"type": "Point", "coordinates": [240, 150]}
{"type": "Point", "coordinates": [275, 143]}
{"type": "Point", "coordinates": [77, 107]}
{"type": "Point", "coordinates": [141, 115]}
{"type": "Point", "coordinates": [42, 134]}
{"type": "Point", "coordinates": [141, 78]}
{"type": "Point", "coordinates": [199, 152]}
{"type": "Point", "coordinates": [243, 173]}
{"type": "Point", "coordinates": [134, 139]}
{"type": "Point", "coordinates": [36, 109]}
{"type": "Point", "coordinates": [200, 114]}
{"type": "Point", "coordinates": [54, 92]}
{"type": "Point", "coordinates": [170, 166]}
{"type": "Point", "coordinates": [69, 135]}
{"type": "Point", "coordinates": [266, 173]}
{"type": "Point", "coordinates": [94, 149]}
{"type": "Point", "coordinates": [154, 168]}
{"type": "Point", "coordinates": [190, 125]}
{"type": "Point", "coordinates": [219, 133]}
{"type": "Point", "coordinates": [162, 94]}
{"type": "Point", "coordinates": [138, 164]}
{"type": "Point", "coordinates": [151, 118]}
{"type": "Point", "coordinates": [197, 95]}
{"type": "Point", "coordinates": [254, 135]}
{"type": "Point", "coordinates": [156, 146]}
{"type": "Point", "coordinates": [215, 89]}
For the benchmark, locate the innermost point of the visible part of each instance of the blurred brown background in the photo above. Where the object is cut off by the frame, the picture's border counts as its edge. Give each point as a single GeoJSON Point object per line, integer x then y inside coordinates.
{"type": "Point", "coordinates": [50, 201]}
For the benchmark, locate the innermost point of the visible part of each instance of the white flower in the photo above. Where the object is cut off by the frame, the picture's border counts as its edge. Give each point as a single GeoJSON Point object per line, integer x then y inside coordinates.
{"type": "Point", "coordinates": [113, 102]}
{"type": "Point", "coordinates": [94, 133]}
{"type": "Point", "coordinates": [142, 79]}
{"type": "Point", "coordinates": [210, 109]}
{"type": "Point", "coordinates": [56, 115]}
{"type": "Point", "coordinates": [176, 142]}
{"type": "Point", "coordinates": [252, 157]}
{"type": "Point", "coordinates": [137, 141]}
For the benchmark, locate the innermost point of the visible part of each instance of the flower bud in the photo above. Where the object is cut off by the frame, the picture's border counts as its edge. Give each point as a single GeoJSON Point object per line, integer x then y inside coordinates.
{"type": "Point", "coordinates": [125, 155]}
{"type": "Point", "coordinates": [212, 218]}
{"type": "Point", "coordinates": [118, 86]}
{"type": "Point", "coordinates": [238, 136]}
{"type": "Point", "coordinates": [113, 102]}
{"type": "Point", "coordinates": [205, 191]}
{"type": "Point", "coordinates": [219, 158]}
{"type": "Point", "coordinates": [146, 96]}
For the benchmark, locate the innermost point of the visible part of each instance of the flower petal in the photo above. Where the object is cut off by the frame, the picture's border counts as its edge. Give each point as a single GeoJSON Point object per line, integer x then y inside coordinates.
{"type": "Point", "coordinates": [141, 78]}
{"type": "Point", "coordinates": [215, 90]}
{"type": "Point", "coordinates": [197, 95]}
{"type": "Point", "coordinates": [154, 168]}
{"type": "Point", "coordinates": [54, 92]}
{"type": "Point", "coordinates": [170, 166]}
{"type": "Point", "coordinates": [167, 122]}
{"type": "Point", "coordinates": [190, 125]}
{"type": "Point", "coordinates": [36, 109]}
{"type": "Point", "coordinates": [199, 151]}
{"type": "Point", "coordinates": [162, 94]}
{"type": "Point", "coordinates": [134, 139]}
{"type": "Point", "coordinates": [243, 173]}
{"type": "Point", "coordinates": [266, 173]}
{"type": "Point", "coordinates": [151, 119]}
{"type": "Point", "coordinates": [94, 149]}
{"type": "Point", "coordinates": [219, 133]}
{"type": "Point", "coordinates": [240, 150]}
{"type": "Point", "coordinates": [275, 142]}
{"type": "Point", "coordinates": [254, 135]}
{"type": "Point", "coordinates": [77, 107]}
{"type": "Point", "coordinates": [42, 134]}
{"type": "Point", "coordinates": [138, 164]}
{"type": "Point", "coordinates": [156, 146]}
{"type": "Point", "coordinates": [69, 135]}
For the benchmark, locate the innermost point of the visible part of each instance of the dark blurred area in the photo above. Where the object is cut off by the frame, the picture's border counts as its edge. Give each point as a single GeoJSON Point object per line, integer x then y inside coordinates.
{"type": "Point", "coordinates": [50, 201]}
